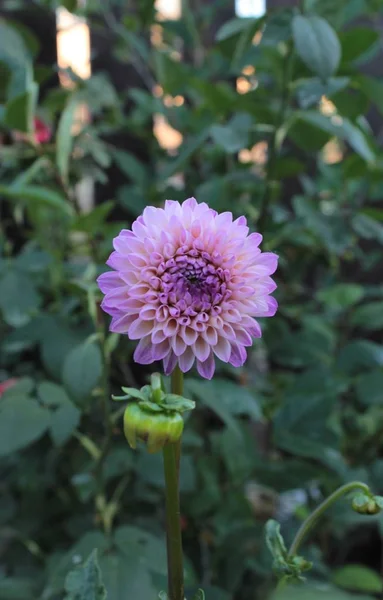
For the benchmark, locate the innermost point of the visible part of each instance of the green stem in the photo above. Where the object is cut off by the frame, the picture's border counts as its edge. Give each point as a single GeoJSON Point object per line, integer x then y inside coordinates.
{"type": "Point", "coordinates": [311, 521]}
{"type": "Point", "coordinates": [171, 454]}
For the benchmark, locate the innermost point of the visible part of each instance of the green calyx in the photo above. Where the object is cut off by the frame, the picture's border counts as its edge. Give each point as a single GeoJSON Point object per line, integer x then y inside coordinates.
{"type": "Point", "coordinates": [153, 416]}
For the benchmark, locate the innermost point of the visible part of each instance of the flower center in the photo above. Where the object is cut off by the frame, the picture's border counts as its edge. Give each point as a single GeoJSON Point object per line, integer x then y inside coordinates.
{"type": "Point", "coordinates": [192, 283]}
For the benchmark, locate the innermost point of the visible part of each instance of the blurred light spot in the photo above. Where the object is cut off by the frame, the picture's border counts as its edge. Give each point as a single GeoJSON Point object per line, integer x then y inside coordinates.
{"type": "Point", "coordinates": [332, 152]}
{"type": "Point", "coordinates": [168, 137]}
{"type": "Point", "coordinates": [327, 107]}
{"type": "Point", "coordinates": [178, 100]}
{"type": "Point", "coordinates": [250, 8]}
{"type": "Point", "coordinates": [248, 70]}
{"type": "Point", "coordinates": [156, 35]}
{"type": "Point", "coordinates": [243, 85]}
{"type": "Point", "coordinates": [168, 9]}
{"type": "Point", "coordinates": [158, 92]}
{"type": "Point", "coordinates": [73, 46]}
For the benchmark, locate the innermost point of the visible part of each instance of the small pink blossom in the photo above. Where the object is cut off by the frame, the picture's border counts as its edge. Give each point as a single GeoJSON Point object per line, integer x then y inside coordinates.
{"type": "Point", "coordinates": [187, 283]}
{"type": "Point", "coordinates": [6, 385]}
{"type": "Point", "coordinates": [42, 133]}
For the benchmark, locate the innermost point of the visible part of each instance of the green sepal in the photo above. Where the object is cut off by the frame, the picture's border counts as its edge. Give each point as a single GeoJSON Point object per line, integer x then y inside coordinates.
{"type": "Point", "coordinates": [119, 398]}
{"type": "Point", "coordinates": [178, 403]}
{"type": "Point", "coordinates": [133, 393]}
{"type": "Point", "coordinates": [150, 406]}
{"type": "Point", "coordinates": [156, 387]}
{"type": "Point", "coordinates": [289, 568]}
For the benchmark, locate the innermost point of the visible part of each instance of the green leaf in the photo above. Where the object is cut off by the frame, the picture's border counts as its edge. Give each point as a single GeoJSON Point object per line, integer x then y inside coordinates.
{"type": "Point", "coordinates": [64, 422]}
{"type": "Point", "coordinates": [235, 135]}
{"type": "Point", "coordinates": [85, 583]}
{"type": "Point", "coordinates": [131, 167]}
{"type": "Point", "coordinates": [323, 591]}
{"type": "Point", "coordinates": [368, 227]}
{"type": "Point", "coordinates": [22, 421]}
{"type": "Point", "coordinates": [234, 26]}
{"type": "Point", "coordinates": [341, 296]}
{"type": "Point", "coordinates": [19, 299]}
{"type": "Point", "coordinates": [310, 91]}
{"type": "Point", "coordinates": [56, 342]}
{"type": "Point", "coordinates": [342, 129]}
{"type": "Point", "coordinates": [82, 370]}
{"type": "Point", "coordinates": [359, 355]}
{"type": "Point", "coordinates": [187, 149]}
{"type": "Point", "coordinates": [285, 566]}
{"type": "Point", "coordinates": [357, 41]}
{"type": "Point", "coordinates": [317, 44]}
{"type": "Point", "coordinates": [20, 110]}
{"type": "Point", "coordinates": [17, 588]}
{"type": "Point", "coordinates": [52, 394]}
{"type": "Point", "coordinates": [34, 196]}
{"type": "Point", "coordinates": [64, 138]}
{"type": "Point", "coordinates": [15, 55]}
{"type": "Point", "coordinates": [368, 316]}
{"type": "Point", "coordinates": [225, 399]}
{"type": "Point", "coordinates": [358, 578]}
{"type": "Point", "coordinates": [126, 578]}
{"type": "Point", "coordinates": [138, 543]}
{"type": "Point", "coordinates": [369, 388]}
{"type": "Point", "coordinates": [373, 88]}
{"type": "Point", "coordinates": [301, 424]}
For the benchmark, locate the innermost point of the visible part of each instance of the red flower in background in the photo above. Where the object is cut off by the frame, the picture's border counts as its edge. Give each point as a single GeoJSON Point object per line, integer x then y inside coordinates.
{"type": "Point", "coordinates": [5, 385]}
{"type": "Point", "coordinates": [43, 133]}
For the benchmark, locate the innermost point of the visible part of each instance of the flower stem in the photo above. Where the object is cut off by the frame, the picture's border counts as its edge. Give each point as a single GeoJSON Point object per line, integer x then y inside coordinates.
{"type": "Point", "coordinates": [171, 454]}
{"type": "Point", "coordinates": [309, 523]}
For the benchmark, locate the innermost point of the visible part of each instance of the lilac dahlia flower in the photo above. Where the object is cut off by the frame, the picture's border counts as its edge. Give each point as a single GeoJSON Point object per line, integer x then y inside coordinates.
{"type": "Point", "coordinates": [187, 283]}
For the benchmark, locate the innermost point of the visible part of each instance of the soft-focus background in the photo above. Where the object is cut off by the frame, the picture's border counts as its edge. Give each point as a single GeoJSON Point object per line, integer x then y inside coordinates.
{"type": "Point", "coordinates": [107, 106]}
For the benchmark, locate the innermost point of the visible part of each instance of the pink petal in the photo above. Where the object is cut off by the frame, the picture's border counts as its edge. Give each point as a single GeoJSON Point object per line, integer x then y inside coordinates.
{"type": "Point", "coordinates": [143, 353]}
{"type": "Point", "coordinates": [178, 345]}
{"type": "Point", "coordinates": [121, 324]}
{"type": "Point", "coordinates": [139, 329]}
{"type": "Point", "coordinates": [207, 367]}
{"type": "Point", "coordinates": [210, 335]}
{"type": "Point", "coordinates": [186, 360]}
{"type": "Point", "coordinates": [109, 281]}
{"type": "Point", "coordinates": [201, 349]}
{"type": "Point", "coordinates": [222, 349]}
{"type": "Point", "coordinates": [161, 350]}
{"type": "Point", "coordinates": [169, 361]}
{"type": "Point", "coordinates": [238, 355]}
{"type": "Point", "coordinates": [188, 334]}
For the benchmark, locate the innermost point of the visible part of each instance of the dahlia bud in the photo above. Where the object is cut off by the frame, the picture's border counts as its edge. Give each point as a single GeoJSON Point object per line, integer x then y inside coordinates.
{"type": "Point", "coordinates": [153, 416]}
{"type": "Point", "coordinates": [154, 428]}
{"type": "Point", "coordinates": [365, 504]}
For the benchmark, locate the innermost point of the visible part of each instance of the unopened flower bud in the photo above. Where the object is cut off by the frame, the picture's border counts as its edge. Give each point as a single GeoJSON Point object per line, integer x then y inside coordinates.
{"type": "Point", "coordinates": [154, 428]}
{"type": "Point", "coordinates": [367, 505]}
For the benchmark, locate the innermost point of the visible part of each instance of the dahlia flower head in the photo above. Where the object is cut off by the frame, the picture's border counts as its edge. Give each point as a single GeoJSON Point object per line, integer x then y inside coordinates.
{"type": "Point", "coordinates": [189, 283]}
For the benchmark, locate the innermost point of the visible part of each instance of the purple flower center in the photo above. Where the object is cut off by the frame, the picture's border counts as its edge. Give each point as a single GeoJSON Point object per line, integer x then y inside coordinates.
{"type": "Point", "coordinates": [193, 283]}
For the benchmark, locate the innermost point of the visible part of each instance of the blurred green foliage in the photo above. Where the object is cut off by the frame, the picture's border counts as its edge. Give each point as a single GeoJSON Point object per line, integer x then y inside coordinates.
{"type": "Point", "coordinates": [305, 414]}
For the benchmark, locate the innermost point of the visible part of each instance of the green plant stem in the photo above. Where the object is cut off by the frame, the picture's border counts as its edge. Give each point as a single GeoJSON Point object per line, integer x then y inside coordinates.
{"type": "Point", "coordinates": [171, 454]}
{"type": "Point", "coordinates": [311, 521]}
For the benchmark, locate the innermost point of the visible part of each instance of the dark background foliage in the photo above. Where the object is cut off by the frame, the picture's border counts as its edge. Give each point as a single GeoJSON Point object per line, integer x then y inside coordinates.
{"type": "Point", "coordinates": [279, 119]}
